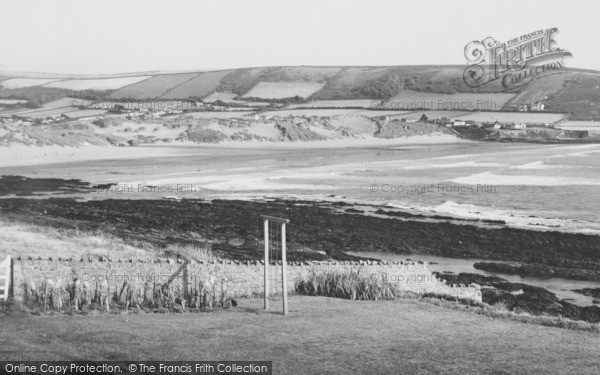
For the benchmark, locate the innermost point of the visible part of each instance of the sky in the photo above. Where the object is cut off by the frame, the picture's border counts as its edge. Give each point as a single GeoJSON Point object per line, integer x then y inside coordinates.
{"type": "Point", "coordinates": [95, 37]}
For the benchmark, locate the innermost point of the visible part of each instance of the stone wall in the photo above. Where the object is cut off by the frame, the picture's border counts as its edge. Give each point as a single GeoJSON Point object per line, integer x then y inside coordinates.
{"type": "Point", "coordinates": [243, 278]}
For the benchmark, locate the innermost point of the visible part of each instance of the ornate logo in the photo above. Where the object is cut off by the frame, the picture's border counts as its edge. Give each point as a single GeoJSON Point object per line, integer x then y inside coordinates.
{"type": "Point", "coordinates": [514, 63]}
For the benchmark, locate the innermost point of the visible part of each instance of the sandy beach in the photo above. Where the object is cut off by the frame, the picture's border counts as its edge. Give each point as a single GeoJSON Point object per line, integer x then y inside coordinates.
{"type": "Point", "coordinates": [20, 155]}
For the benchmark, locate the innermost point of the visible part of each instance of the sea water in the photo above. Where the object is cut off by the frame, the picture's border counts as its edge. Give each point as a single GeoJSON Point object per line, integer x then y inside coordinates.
{"type": "Point", "coordinates": [550, 187]}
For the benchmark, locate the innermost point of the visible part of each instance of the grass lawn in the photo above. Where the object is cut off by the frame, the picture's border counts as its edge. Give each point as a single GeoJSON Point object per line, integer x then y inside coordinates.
{"type": "Point", "coordinates": [321, 335]}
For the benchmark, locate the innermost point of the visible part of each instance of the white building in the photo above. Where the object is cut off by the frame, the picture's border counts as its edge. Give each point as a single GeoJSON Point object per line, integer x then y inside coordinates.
{"type": "Point", "coordinates": [538, 107]}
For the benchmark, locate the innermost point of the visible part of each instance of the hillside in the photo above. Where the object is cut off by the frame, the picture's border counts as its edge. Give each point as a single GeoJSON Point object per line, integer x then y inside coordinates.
{"type": "Point", "coordinates": [569, 91]}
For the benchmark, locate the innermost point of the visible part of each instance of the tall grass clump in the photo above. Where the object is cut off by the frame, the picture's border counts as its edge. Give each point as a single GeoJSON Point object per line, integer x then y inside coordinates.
{"type": "Point", "coordinates": [348, 284]}
{"type": "Point", "coordinates": [52, 296]}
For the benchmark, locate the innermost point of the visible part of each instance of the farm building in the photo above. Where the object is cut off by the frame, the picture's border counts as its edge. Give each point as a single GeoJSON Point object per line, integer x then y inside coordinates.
{"type": "Point", "coordinates": [538, 107]}
{"type": "Point", "coordinates": [495, 125]}
{"type": "Point", "coordinates": [533, 107]}
{"type": "Point", "coordinates": [512, 126]}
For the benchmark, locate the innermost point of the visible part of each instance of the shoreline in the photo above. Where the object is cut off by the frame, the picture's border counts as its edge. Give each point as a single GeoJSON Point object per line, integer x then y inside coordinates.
{"type": "Point", "coordinates": [30, 186]}
{"type": "Point", "coordinates": [22, 155]}
{"type": "Point", "coordinates": [333, 227]}
{"type": "Point", "coordinates": [350, 205]}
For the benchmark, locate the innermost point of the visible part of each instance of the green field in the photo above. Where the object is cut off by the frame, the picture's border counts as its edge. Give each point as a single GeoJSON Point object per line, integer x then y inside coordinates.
{"type": "Point", "coordinates": [15, 83]}
{"type": "Point", "coordinates": [543, 88]}
{"type": "Point", "coordinates": [241, 81]}
{"type": "Point", "coordinates": [282, 90]}
{"type": "Point", "coordinates": [200, 86]}
{"type": "Point", "coordinates": [56, 108]}
{"type": "Point", "coordinates": [363, 103]}
{"type": "Point", "coordinates": [154, 87]}
{"type": "Point", "coordinates": [350, 80]}
{"type": "Point", "coordinates": [321, 335]}
{"type": "Point", "coordinates": [96, 84]}
{"type": "Point", "coordinates": [580, 95]}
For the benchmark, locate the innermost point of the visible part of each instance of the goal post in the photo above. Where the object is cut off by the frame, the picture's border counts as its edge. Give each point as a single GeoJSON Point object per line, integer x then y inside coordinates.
{"type": "Point", "coordinates": [282, 224]}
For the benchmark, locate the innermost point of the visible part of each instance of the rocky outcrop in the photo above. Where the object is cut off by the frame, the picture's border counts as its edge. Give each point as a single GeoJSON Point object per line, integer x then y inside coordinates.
{"type": "Point", "coordinates": [537, 135]}
{"type": "Point", "coordinates": [538, 270]}
{"type": "Point", "coordinates": [591, 292]}
{"type": "Point", "coordinates": [542, 134]}
{"type": "Point", "coordinates": [520, 297]}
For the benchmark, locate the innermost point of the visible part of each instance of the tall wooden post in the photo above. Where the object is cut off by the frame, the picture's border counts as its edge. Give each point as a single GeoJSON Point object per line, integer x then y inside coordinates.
{"type": "Point", "coordinates": [283, 223]}
{"type": "Point", "coordinates": [186, 279]}
{"type": "Point", "coordinates": [266, 225]}
{"type": "Point", "coordinates": [284, 270]}
{"type": "Point", "coordinates": [11, 279]}
{"type": "Point", "coordinates": [5, 278]}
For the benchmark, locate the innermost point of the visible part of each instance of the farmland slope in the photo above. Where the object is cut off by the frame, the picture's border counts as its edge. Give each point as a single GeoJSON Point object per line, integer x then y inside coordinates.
{"type": "Point", "coordinates": [574, 92]}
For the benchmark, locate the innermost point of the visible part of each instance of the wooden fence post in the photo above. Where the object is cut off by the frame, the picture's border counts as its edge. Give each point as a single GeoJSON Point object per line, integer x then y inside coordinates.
{"type": "Point", "coordinates": [284, 270]}
{"type": "Point", "coordinates": [266, 287]}
{"type": "Point", "coordinates": [282, 222]}
{"type": "Point", "coordinates": [6, 278]}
